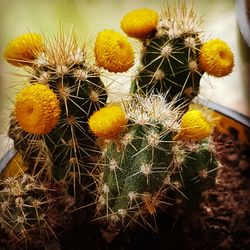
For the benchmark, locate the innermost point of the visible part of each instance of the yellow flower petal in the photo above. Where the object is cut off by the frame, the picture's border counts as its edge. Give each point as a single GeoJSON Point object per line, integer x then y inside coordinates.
{"type": "Point", "coordinates": [113, 51]}
{"type": "Point", "coordinates": [108, 122]}
{"type": "Point", "coordinates": [23, 49]}
{"type": "Point", "coordinates": [194, 126]}
{"type": "Point", "coordinates": [216, 58]}
{"type": "Point", "coordinates": [37, 109]}
{"type": "Point", "coordinates": [140, 23]}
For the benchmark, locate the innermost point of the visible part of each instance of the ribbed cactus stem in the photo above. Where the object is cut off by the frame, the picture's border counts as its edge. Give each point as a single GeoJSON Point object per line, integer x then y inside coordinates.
{"type": "Point", "coordinates": [169, 65]}
{"type": "Point", "coordinates": [135, 167]}
{"type": "Point", "coordinates": [154, 161]}
{"type": "Point", "coordinates": [136, 163]}
{"type": "Point", "coordinates": [70, 143]}
{"type": "Point", "coordinates": [31, 210]}
{"type": "Point", "coordinates": [170, 50]}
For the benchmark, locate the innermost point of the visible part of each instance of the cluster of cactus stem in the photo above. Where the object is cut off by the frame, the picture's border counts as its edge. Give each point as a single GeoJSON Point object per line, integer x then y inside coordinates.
{"type": "Point", "coordinates": [148, 161]}
{"type": "Point", "coordinates": [57, 147]}
{"type": "Point", "coordinates": [149, 152]}
{"type": "Point", "coordinates": [145, 164]}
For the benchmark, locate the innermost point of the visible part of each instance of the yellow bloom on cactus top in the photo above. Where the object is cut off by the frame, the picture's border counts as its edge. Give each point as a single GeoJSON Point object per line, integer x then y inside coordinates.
{"type": "Point", "coordinates": [194, 126]}
{"type": "Point", "coordinates": [216, 58]}
{"type": "Point", "coordinates": [108, 122]}
{"type": "Point", "coordinates": [23, 49]}
{"type": "Point", "coordinates": [37, 109]}
{"type": "Point", "coordinates": [113, 51]}
{"type": "Point", "coordinates": [140, 23]}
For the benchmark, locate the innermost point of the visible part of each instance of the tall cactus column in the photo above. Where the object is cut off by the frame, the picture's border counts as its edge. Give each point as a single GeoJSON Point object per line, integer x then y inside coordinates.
{"type": "Point", "coordinates": [135, 170]}
{"type": "Point", "coordinates": [136, 160]}
{"type": "Point", "coordinates": [49, 127]}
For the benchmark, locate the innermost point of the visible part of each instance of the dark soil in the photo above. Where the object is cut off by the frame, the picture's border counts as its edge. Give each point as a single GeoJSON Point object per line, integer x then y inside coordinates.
{"type": "Point", "coordinates": [221, 222]}
{"type": "Point", "coordinates": [225, 217]}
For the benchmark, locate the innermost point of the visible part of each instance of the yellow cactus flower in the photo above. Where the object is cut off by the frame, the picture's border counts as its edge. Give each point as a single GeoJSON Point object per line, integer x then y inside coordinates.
{"type": "Point", "coordinates": [194, 126]}
{"type": "Point", "coordinates": [23, 49]}
{"type": "Point", "coordinates": [108, 122]}
{"type": "Point", "coordinates": [140, 23]}
{"type": "Point", "coordinates": [216, 58]}
{"type": "Point", "coordinates": [113, 51]}
{"type": "Point", "coordinates": [37, 109]}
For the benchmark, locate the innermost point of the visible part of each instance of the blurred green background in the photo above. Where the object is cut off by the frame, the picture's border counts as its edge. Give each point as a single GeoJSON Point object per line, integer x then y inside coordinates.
{"type": "Point", "coordinates": [90, 17]}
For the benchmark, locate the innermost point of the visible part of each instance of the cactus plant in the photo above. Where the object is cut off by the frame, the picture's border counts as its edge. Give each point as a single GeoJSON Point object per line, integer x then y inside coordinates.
{"type": "Point", "coordinates": [156, 152]}
{"type": "Point", "coordinates": [49, 124]}
{"type": "Point", "coordinates": [149, 156]}
{"type": "Point", "coordinates": [58, 140]}
{"type": "Point", "coordinates": [169, 55]}
{"type": "Point", "coordinates": [50, 117]}
{"type": "Point", "coordinates": [148, 152]}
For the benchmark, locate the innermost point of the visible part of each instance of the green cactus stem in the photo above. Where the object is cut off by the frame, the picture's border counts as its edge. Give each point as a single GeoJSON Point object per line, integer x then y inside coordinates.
{"type": "Point", "coordinates": [136, 164]}
{"type": "Point", "coordinates": [169, 66]}
{"type": "Point", "coordinates": [196, 170]}
{"type": "Point", "coordinates": [169, 55]}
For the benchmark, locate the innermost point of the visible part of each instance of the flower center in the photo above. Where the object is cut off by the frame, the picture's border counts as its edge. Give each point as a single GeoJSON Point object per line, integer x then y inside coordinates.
{"type": "Point", "coordinates": [29, 109]}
